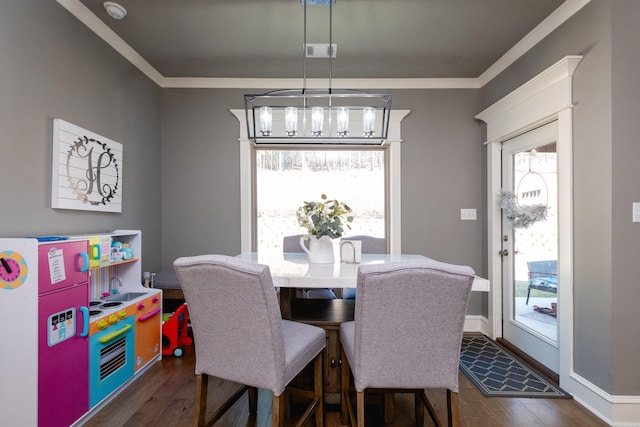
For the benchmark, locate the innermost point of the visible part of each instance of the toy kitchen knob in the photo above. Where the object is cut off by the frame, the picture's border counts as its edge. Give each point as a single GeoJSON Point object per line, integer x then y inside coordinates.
{"type": "Point", "coordinates": [122, 314]}
{"type": "Point", "coordinates": [113, 319]}
{"type": "Point", "coordinates": [102, 324]}
{"type": "Point", "coordinates": [155, 299]}
{"type": "Point", "coordinates": [140, 305]}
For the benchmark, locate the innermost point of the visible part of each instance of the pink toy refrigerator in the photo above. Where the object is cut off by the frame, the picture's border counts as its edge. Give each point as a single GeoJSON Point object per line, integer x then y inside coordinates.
{"type": "Point", "coordinates": [63, 327]}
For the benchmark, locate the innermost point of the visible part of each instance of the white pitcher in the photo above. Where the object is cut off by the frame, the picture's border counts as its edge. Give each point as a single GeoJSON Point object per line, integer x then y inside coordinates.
{"type": "Point", "coordinates": [320, 250]}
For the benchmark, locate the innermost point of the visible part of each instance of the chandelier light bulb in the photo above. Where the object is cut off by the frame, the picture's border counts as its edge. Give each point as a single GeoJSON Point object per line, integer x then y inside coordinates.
{"type": "Point", "coordinates": [317, 121]}
{"type": "Point", "coordinates": [368, 121]}
{"type": "Point", "coordinates": [343, 121]}
{"type": "Point", "coordinates": [266, 121]}
{"type": "Point", "coordinates": [291, 121]}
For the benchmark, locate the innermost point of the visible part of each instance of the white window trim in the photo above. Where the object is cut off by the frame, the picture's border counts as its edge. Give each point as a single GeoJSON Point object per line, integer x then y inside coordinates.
{"type": "Point", "coordinates": [394, 141]}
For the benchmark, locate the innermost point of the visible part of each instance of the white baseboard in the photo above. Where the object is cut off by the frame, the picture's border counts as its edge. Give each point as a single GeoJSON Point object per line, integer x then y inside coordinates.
{"type": "Point", "coordinates": [615, 410]}
{"type": "Point", "coordinates": [477, 323]}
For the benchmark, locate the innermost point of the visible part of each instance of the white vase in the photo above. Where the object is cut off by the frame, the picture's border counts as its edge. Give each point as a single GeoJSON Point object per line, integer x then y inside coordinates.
{"type": "Point", "coordinates": [320, 250]}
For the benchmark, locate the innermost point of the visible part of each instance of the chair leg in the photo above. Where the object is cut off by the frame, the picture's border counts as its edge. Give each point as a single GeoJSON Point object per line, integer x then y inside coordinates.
{"type": "Point", "coordinates": [318, 386]}
{"type": "Point", "coordinates": [278, 411]}
{"type": "Point", "coordinates": [344, 392]}
{"type": "Point", "coordinates": [452, 409]}
{"type": "Point", "coordinates": [528, 293]}
{"type": "Point", "coordinates": [360, 407]}
{"type": "Point", "coordinates": [253, 401]}
{"type": "Point", "coordinates": [202, 383]}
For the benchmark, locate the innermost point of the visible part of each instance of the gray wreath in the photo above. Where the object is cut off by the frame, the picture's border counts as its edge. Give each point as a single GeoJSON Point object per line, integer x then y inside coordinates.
{"type": "Point", "coordinates": [521, 216]}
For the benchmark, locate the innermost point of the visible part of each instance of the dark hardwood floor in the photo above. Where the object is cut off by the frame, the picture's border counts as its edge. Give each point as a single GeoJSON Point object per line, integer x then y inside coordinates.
{"type": "Point", "coordinates": [165, 394]}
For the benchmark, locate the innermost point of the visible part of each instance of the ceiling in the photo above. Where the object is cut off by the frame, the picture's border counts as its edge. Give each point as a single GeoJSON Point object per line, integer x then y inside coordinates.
{"type": "Point", "coordinates": [377, 39]}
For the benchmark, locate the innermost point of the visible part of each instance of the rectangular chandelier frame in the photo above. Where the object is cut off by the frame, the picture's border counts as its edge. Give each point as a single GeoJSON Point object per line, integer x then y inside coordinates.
{"type": "Point", "coordinates": [318, 116]}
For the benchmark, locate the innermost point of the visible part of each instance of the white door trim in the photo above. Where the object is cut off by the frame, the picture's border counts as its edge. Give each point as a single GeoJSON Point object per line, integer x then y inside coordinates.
{"type": "Point", "coordinates": [546, 97]}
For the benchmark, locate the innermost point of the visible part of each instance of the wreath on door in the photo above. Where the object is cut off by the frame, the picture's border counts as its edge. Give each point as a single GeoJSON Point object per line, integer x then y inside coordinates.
{"type": "Point", "coordinates": [522, 215]}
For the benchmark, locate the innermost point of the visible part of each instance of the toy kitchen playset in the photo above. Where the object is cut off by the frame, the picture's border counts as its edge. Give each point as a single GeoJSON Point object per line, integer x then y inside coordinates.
{"type": "Point", "coordinates": [78, 325]}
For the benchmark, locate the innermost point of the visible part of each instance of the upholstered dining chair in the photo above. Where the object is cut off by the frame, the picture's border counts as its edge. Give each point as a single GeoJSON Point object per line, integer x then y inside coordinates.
{"type": "Point", "coordinates": [406, 334]}
{"type": "Point", "coordinates": [292, 243]}
{"type": "Point", "coordinates": [240, 335]}
{"type": "Point", "coordinates": [370, 244]}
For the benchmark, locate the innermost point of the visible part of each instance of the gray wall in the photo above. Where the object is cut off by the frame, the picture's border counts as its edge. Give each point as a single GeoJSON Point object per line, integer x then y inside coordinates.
{"type": "Point", "coordinates": [626, 190]}
{"type": "Point", "coordinates": [441, 173]}
{"type": "Point", "coordinates": [605, 178]}
{"type": "Point", "coordinates": [54, 67]}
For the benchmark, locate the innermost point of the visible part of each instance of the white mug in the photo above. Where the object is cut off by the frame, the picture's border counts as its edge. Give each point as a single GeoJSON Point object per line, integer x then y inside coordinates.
{"type": "Point", "coordinates": [350, 251]}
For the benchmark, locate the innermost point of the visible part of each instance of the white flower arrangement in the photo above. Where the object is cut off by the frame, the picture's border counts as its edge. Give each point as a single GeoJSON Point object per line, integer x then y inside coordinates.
{"type": "Point", "coordinates": [325, 218]}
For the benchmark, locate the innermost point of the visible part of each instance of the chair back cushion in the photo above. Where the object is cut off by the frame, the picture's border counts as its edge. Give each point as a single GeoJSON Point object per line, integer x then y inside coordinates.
{"type": "Point", "coordinates": [235, 318]}
{"type": "Point", "coordinates": [409, 321]}
{"type": "Point", "coordinates": [292, 243]}
{"type": "Point", "coordinates": [371, 245]}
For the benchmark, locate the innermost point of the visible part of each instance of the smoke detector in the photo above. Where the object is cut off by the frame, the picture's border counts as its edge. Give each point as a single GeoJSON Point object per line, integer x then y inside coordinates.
{"type": "Point", "coordinates": [115, 10]}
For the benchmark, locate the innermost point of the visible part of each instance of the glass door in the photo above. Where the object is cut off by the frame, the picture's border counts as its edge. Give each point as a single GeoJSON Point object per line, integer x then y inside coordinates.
{"type": "Point", "coordinates": [529, 202]}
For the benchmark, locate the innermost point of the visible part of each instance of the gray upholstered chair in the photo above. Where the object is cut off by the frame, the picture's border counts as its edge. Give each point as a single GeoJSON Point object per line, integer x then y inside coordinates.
{"type": "Point", "coordinates": [406, 336]}
{"type": "Point", "coordinates": [292, 243]}
{"type": "Point", "coordinates": [240, 335]}
{"type": "Point", "coordinates": [370, 245]}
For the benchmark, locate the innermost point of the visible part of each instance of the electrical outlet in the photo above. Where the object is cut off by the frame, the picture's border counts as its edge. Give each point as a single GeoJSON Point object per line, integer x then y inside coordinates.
{"type": "Point", "coordinates": [636, 212]}
{"type": "Point", "coordinates": [468, 214]}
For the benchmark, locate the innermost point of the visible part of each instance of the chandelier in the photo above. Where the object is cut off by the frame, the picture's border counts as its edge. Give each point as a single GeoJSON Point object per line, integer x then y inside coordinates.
{"type": "Point", "coordinates": [318, 116]}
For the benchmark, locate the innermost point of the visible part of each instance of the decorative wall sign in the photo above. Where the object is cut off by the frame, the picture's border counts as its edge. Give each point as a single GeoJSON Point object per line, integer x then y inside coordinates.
{"type": "Point", "coordinates": [87, 170]}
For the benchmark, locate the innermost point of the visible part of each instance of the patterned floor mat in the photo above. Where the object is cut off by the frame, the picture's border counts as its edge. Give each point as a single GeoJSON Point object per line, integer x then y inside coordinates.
{"type": "Point", "coordinates": [498, 374]}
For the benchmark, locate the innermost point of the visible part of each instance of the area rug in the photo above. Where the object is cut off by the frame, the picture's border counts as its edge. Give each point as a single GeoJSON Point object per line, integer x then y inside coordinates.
{"type": "Point", "coordinates": [499, 374]}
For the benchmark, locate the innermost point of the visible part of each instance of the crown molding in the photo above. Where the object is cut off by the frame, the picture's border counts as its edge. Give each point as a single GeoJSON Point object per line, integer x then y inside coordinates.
{"type": "Point", "coordinates": [558, 17]}
{"type": "Point", "coordinates": [84, 15]}
{"type": "Point", "coordinates": [238, 83]}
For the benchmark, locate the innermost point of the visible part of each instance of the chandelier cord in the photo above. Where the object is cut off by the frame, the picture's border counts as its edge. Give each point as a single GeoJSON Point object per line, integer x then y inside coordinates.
{"type": "Point", "coordinates": [304, 54]}
{"type": "Point", "coordinates": [330, 47]}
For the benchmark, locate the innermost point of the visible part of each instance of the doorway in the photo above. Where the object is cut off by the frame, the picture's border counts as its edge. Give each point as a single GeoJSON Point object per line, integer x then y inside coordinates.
{"type": "Point", "coordinates": [530, 209]}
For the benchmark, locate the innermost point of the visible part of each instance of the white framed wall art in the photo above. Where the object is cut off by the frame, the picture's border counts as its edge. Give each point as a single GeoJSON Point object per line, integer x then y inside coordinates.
{"type": "Point", "coordinates": [86, 170]}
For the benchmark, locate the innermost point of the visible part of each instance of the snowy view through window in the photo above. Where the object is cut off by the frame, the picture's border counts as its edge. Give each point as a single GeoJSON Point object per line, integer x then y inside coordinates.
{"type": "Point", "coordinates": [285, 179]}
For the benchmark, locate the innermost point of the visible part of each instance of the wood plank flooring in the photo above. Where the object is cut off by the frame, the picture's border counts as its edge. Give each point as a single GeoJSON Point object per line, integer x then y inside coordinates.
{"type": "Point", "coordinates": [165, 396]}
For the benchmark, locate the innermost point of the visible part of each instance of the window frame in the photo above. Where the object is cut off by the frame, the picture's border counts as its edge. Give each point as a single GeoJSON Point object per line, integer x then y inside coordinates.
{"type": "Point", "coordinates": [314, 147]}
{"type": "Point", "coordinates": [247, 185]}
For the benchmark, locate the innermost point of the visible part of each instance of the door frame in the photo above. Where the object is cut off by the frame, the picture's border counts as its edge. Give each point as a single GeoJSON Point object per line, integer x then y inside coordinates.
{"type": "Point", "coordinates": [544, 98]}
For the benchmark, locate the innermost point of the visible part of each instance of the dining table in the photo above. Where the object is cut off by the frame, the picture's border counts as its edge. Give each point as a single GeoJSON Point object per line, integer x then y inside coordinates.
{"type": "Point", "coordinates": [292, 270]}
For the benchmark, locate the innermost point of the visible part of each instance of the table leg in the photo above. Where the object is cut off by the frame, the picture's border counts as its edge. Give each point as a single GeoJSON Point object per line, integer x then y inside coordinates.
{"type": "Point", "coordinates": [286, 298]}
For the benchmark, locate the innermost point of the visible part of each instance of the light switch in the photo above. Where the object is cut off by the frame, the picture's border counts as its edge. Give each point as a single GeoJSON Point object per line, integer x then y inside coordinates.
{"type": "Point", "coordinates": [636, 212]}
{"type": "Point", "coordinates": [468, 214]}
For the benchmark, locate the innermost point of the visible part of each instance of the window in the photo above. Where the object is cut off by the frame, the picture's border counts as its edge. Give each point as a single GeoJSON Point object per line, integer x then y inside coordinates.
{"type": "Point", "coordinates": [286, 178]}
{"type": "Point", "coordinates": [393, 189]}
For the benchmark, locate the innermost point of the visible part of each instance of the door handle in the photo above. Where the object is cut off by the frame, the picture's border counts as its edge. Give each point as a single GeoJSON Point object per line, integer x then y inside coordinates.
{"type": "Point", "coordinates": [114, 334]}
{"type": "Point", "coordinates": [504, 252]}
{"type": "Point", "coordinates": [149, 315]}
{"type": "Point", "coordinates": [85, 320]}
